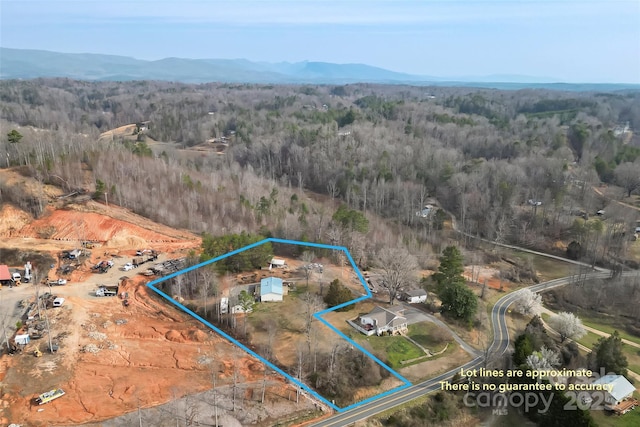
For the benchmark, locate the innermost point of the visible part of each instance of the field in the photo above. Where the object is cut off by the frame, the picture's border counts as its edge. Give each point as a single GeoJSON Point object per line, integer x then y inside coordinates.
{"type": "Point", "coordinates": [279, 331]}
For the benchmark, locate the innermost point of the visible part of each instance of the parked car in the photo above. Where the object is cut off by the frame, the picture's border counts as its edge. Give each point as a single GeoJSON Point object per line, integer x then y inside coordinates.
{"type": "Point", "coordinates": [58, 302]}
{"type": "Point", "coordinates": [128, 266]}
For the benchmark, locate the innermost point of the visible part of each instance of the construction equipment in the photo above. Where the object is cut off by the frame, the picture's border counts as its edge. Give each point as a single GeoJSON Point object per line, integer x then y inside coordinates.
{"type": "Point", "coordinates": [49, 396]}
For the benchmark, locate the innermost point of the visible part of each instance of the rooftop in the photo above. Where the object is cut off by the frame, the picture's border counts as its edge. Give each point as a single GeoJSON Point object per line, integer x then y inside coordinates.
{"type": "Point", "coordinates": [271, 285]}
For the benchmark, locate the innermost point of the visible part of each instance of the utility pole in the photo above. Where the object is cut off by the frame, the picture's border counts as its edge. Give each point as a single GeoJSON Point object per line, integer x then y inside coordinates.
{"type": "Point", "coordinates": [264, 383]}
{"type": "Point", "coordinates": [215, 396]}
{"type": "Point", "coordinates": [46, 320]}
{"type": "Point", "coordinates": [4, 329]}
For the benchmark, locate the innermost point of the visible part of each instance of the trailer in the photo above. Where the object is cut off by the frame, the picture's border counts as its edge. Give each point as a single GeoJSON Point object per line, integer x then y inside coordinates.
{"type": "Point", "coordinates": [137, 261]}
{"type": "Point", "coordinates": [49, 396]}
{"type": "Point", "coordinates": [107, 291]}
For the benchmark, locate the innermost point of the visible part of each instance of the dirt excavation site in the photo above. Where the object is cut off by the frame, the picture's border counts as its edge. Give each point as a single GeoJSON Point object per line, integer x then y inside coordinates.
{"type": "Point", "coordinates": [124, 360]}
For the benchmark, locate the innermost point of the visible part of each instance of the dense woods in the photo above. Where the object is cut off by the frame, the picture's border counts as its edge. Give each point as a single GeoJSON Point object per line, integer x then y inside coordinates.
{"type": "Point", "coordinates": [511, 166]}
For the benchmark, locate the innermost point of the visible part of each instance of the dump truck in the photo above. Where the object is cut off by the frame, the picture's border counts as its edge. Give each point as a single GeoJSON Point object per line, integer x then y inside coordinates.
{"type": "Point", "coordinates": [107, 291]}
{"type": "Point", "coordinates": [102, 266]}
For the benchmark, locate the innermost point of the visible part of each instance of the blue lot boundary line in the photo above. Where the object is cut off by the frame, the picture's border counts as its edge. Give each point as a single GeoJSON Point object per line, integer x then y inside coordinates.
{"type": "Point", "coordinates": [318, 315]}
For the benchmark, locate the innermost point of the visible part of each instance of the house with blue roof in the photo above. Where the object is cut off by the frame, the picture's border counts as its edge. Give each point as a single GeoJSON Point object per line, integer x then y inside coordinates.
{"type": "Point", "coordinates": [271, 289]}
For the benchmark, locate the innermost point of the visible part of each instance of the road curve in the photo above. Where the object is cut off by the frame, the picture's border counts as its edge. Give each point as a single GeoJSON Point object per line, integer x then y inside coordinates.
{"type": "Point", "coordinates": [498, 346]}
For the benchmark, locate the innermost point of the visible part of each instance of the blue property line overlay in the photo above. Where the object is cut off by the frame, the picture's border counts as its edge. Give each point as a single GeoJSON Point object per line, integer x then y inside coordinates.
{"type": "Point", "coordinates": [153, 283]}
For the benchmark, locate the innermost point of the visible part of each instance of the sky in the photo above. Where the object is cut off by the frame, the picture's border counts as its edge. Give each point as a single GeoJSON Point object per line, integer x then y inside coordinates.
{"type": "Point", "coordinates": [553, 40]}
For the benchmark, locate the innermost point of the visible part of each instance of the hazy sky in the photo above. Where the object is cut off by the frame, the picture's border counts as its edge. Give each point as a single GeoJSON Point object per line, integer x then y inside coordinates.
{"type": "Point", "coordinates": [572, 41]}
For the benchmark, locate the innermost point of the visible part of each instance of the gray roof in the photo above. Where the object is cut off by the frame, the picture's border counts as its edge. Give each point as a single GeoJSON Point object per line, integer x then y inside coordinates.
{"type": "Point", "coordinates": [621, 386]}
{"type": "Point", "coordinates": [385, 316]}
{"type": "Point", "coordinates": [416, 292]}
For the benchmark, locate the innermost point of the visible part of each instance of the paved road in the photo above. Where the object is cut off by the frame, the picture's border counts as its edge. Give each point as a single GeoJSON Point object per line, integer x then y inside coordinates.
{"type": "Point", "coordinates": [498, 347]}
{"type": "Point", "coordinates": [10, 312]}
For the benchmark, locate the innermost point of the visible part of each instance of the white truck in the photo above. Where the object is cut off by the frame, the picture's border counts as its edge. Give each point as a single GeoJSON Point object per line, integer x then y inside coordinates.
{"type": "Point", "coordinates": [16, 278]}
{"type": "Point", "coordinates": [107, 291]}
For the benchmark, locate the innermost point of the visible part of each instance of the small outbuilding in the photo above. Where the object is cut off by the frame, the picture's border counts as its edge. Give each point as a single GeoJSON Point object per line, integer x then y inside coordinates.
{"type": "Point", "coordinates": [277, 263]}
{"type": "Point", "coordinates": [271, 289]}
{"type": "Point", "coordinates": [5, 275]}
{"type": "Point", "coordinates": [22, 339]}
{"type": "Point", "coordinates": [415, 296]}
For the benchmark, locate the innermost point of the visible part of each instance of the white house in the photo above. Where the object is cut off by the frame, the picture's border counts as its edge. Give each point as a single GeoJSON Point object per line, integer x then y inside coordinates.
{"type": "Point", "coordinates": [621, 389]}
{"type": "Point", "coordinates": [425, 212]}
{"type": "Point", "coordinates": [381, 320]}
{"type": "Point", "coordinates": [415, 296]}
{"type": "Point", "coordinates": [271, 289]}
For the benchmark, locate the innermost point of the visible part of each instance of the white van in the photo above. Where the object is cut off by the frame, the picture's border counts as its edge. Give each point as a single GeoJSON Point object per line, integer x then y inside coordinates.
{"type": "Point", "coordinates": [58, 302]}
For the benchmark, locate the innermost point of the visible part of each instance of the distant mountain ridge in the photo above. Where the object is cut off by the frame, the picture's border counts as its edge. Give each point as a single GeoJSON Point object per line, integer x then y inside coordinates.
{"type": "Point", "coordinates": [29, 64]}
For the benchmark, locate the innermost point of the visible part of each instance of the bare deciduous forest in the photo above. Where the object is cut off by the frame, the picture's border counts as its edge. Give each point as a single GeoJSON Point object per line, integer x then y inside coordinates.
{"type": "Point", "coordinates": [511, 166]}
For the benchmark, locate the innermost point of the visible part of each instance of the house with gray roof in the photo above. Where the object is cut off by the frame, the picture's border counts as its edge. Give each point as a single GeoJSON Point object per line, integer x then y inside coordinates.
{"type": "Point", "coordinates": [415, 296]}
{"type": "Point", "coordinates": [381, 320]}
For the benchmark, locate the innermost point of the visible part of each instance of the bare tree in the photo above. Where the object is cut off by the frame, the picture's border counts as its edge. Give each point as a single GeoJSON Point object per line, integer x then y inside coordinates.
{"type": "Point", "coordinates": [568, 325]}
{"type": "Point", "coordinates": [247, 302]}
{"type": "Point", "coordinates": [543, 359]}
{"type": "Point", "coordinates": [398, 269]}
{"type": "Point", "coordinates": [529, 303]}
{"type": "Point", "coordinates": [312, 304]}
{"type": "Point", "coordinates": [628, 176]}
{"type": "Point", "coordinates": [307, 257]}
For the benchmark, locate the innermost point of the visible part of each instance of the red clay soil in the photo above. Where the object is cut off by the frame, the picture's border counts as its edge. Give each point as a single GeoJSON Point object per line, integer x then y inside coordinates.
{"type": "Point", "coordinates": [112, 226]}
{"type": "Point", "coordinates": [157, 355]}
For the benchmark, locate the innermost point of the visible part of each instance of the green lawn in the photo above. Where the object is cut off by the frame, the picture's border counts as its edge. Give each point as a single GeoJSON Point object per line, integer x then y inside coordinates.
{"type": "Point", "coordinates": [547, 268]}
{"type": "Point", "coordinates": [633, 357]}
{"type": "Point", "coordinates": [606, 419]}
{"type": "Point", "coordinates": [397, 349]}
{"type": "Point", "coordinates": [429, 335]}
{"type": "Point", "coordinates": [608, 326]}
{"type": "Point", "coordinates": [589, 340]}
{"type": "Point", "coordinates": [632, 353]}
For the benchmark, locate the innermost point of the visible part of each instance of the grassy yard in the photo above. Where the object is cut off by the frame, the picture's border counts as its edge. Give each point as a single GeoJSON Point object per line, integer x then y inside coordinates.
{"type": "Point", "coordinates": [606, 419]}
{"type": "Point", "coordinates": [547, 268]}
{"type": "Point", "coordinates": [607, 325]}
{"type": "Point", "coordinates": [634, 250]}
{"type": "Point", "coordinates": [589, 340]}
{"type": "Point", "coordinates": [633, 357]}
{"type": "Point", "coordinates": [397, 349]}
{"type": "Point", "coordinates": [429, 335]}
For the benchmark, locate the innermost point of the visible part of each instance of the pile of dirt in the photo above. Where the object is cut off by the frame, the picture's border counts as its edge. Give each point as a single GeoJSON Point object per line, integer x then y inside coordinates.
{"type": "Point", "coordinates": [67, 227]}
{"type": "Point", "coordinates": [81, 226]}
{"type": "Point", "coordinates": [144, 354]}
{"type": "Point", "coordinates": [13, 219]}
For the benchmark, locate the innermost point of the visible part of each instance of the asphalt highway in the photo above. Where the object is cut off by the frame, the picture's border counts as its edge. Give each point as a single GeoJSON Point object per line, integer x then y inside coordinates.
{"type": "Point", "coordinates": [498, 347]}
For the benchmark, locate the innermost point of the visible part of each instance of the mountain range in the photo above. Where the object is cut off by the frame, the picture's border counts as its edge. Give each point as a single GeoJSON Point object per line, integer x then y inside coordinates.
{"type": "Point", "coordinates": [29, 64]}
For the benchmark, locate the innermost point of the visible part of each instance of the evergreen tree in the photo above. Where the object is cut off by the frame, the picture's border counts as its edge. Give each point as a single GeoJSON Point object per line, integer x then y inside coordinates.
{"type": "Point", "coordinates": [14, 136]}
{"type": "Point", "coordinates": [338, 294]}
{"type": "Point", "coordinates": [607, 353]}
{"type": "Point", "coordinates": [450, 269]}
{"type": "Point", "coordinates": [523, 348]}
{"type": "Point", "coordinates": [459, 301]}
{"type": "Point", "coordinates": [246, 260]}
